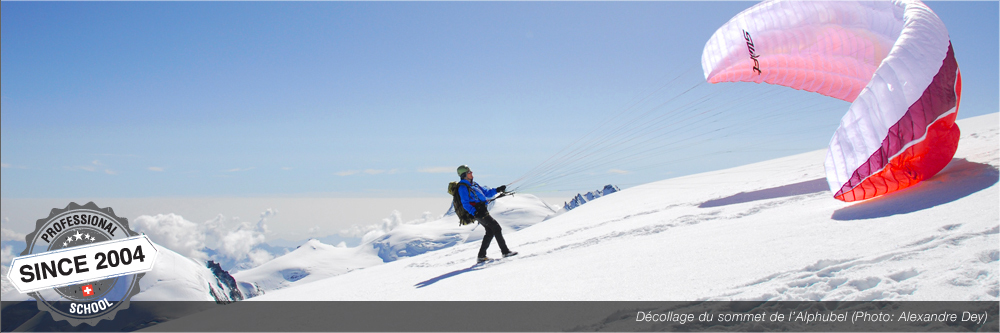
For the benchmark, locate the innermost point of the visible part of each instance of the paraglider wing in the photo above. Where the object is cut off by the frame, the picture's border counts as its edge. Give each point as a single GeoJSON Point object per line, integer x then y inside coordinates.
{"type": "Point", "coordinates": [892, 60]}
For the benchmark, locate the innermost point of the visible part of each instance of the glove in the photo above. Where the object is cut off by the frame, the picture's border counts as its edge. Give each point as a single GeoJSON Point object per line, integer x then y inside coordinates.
{"type": "Point", "coordinates": [502, 188]}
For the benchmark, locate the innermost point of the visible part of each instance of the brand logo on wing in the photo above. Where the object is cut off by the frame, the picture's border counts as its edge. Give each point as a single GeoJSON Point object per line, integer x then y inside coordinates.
{"type": "Point", "coordinates": [753, 55]}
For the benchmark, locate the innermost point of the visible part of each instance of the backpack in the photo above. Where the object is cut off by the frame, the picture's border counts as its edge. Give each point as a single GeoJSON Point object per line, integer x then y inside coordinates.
{"type": "Point", "coordinates": [464, 218]}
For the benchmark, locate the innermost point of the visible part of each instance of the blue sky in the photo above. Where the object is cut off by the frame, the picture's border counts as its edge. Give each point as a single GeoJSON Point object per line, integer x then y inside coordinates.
{"type": "Point", "coordinates": [230, 99]}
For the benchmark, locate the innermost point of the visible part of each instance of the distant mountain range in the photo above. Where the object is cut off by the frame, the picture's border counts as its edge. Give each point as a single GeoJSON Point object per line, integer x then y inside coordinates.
{"type": "Point", "coordinates": [224, 280]}
{"type": "Point", "coordinates": [316, 260]}
{"type": "Point", "coordinates": [583, 198]}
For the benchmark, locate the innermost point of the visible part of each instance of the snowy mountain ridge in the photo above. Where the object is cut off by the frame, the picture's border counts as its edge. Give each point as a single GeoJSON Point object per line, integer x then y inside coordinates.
{"type": "Point", "coordinates": [315, 260]}
{"type": "Point", "coordinates": [583, 198]}
{"type": "Point", "coordinates": [175, 278]}
{"type": "Point", "coordinates": [234, 265]}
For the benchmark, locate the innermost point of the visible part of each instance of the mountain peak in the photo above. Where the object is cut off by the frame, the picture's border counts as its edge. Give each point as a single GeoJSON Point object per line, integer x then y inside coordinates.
{"type": "Point", "coordinates": [583, 198]}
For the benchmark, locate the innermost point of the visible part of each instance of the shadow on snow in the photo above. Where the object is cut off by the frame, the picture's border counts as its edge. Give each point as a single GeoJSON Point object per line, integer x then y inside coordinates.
{"type": "Point", "coordinates": [806, 187]}
{"type": "Point", "coordinates": [959, 179]}
{"type": "Point", "coordinates": [448, 275]}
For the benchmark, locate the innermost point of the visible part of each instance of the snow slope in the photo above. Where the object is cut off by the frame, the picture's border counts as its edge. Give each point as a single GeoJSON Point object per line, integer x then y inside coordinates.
{"type": "Point", "coordinates": [512, 212]}
{"type": "Point", "coordinates": [765, 231]}
{"type": "Point", "coordinates": [316, 261]}
{"type": "Point", "coordinates": [178, 278]}
{"type": "Point", "coordinates": [310, 262]}
{"type": "Point", "coordinates": [174, 278]}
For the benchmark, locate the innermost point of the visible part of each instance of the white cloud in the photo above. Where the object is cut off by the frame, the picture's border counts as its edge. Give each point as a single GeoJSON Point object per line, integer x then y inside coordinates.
{"type": "Point", "coordinates": [270, 212]}
{"type": "Point", "coordinates": [92, 167]}
{"type": "Point", "coordinates": [174, 232]}
{"type": "Point", "coordinates": [238, 243]}
{"type": "Point", "coordinates": [259, 257]}
{"type": "Point", "coordinates": [368, 172]}
{"type": "Point", "coordinates": [10, 166]}
{"type": "Point", "coordinates": [239, 169]}
{"type": "Point", "coordinates": [157, 169]}
{"type": "Point", "coordinates": [426, 217]}
{"type": "Point", "coordinates": [437, 170]}
{"type": "Point", "coordinates": [619, 172]}
{"type": "Point", "coordinates": [6, 255]}
{"type": "Point", "coordinates": [375, 230]}
{"type": "Point", "coordinates": [230, 238]}
{"type": "Point", "coordinates": [7, 234]}
{"type": "Point", "coordinates": [347, 173]}
{"type": "Point", "coordinates": [117, 155]}
{"type": "Point", "coordinates": [214, 230]}
{"type": "Point", "coordinates": [89, 168]}
{"type": "Point", "coordinates": [286, 168]}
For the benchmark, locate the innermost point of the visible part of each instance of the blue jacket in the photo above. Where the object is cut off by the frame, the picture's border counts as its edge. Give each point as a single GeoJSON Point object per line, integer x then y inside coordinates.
{"type": "Point", "coordinates": [479, 194]}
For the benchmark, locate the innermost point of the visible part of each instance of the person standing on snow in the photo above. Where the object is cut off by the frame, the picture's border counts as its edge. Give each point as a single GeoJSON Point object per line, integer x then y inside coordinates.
{"type": "Point", "coordinates": [474, 201]}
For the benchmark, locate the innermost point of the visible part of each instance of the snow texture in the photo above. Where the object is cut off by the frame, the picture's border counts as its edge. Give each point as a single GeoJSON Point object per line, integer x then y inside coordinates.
{"type": "Point", "coordinates": [174, 278]}
{"type": "Point", "coordinates": [764, 231]}
{"type": "Point", "coordinates": [315, 261]}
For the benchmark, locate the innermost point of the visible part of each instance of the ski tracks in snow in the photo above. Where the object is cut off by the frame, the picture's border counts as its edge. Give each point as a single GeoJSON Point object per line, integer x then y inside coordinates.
{"type": "Point", "coordinates": [459, 255]}
{"type": "Point", "coordinates": [887, 276]}
{"type": "Point", "coordinates": [664, 224]}
{"type": "Point", "coordinates": [675, 215]}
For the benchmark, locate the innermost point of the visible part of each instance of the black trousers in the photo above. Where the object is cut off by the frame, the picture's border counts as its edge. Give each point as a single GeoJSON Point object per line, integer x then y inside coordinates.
{"type": "Point", "coordinates": [493, 230]}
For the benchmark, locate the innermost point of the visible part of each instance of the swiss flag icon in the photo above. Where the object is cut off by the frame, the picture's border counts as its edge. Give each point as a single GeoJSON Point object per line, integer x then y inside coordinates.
{"type": "Point", "coordinates": [88, 290]}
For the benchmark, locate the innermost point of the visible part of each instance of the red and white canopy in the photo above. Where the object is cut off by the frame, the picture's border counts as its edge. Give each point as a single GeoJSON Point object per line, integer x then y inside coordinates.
{"type": "Point", "coordinates": [892, 60]}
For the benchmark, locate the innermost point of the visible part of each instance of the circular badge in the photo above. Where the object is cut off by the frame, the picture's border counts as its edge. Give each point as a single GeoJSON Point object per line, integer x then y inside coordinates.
{"type": "Point", "coordinates": [82, 263]}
